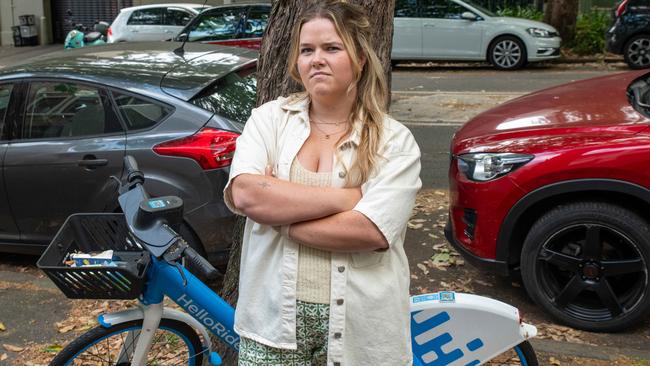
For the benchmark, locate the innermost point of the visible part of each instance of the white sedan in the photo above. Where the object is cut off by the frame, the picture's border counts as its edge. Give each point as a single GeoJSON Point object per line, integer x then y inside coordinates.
{"type": "Point", "coordinates": [463, 31]}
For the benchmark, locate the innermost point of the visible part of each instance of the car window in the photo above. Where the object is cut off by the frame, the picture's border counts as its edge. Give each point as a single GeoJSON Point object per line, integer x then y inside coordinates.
{"type": "Point", "coordinates": [218, 24]}
{"type": "Point", "coordinates": [177, 17]}
{"type": "Point", "coordinates": [640, 3]}
{"type": "Point", "coordinates": [232, 96]}
{"type": "Point", "coordinates": [153, 16]}
{"type": "Point", "coordinates": [406, 9]}
{"type": "Point", "coordinates": [61, 110]}
{"type": "Point", "coordinates": [258, 18]}
{"type": "Point", "coordinates": [139, 113]}
{"type": "Point", "coordinates": [441, 9]}
{"type": "Point", "coordinates": [5, 94]}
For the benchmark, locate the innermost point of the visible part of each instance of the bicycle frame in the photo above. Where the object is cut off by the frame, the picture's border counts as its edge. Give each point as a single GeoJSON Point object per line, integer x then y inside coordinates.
{"type": "Point", "coordinates": [207, 311]}
{"type": "Point", "coordinates": [443, 324]}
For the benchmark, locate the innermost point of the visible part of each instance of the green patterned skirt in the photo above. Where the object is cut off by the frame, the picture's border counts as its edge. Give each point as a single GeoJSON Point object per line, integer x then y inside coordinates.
{"type": "Point", "coordinates": [312, 325]}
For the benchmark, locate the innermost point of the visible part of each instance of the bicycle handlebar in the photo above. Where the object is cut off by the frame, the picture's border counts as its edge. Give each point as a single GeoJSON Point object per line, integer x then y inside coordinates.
{"type": "Point", "coordinates": [200, 264]}
{"type": "Point", "coordinates": [148, 219]}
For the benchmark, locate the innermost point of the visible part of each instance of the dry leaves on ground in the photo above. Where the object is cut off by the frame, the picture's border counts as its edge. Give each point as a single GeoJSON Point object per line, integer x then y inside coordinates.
{"type": "Point", "coordinates": [559, 333]}
{"type": "Point", "coordinates": [431, 200]}
{"type": "Point", "coordinates": [2, 327]}
{"type": "Point", "coordinates": [12, 348]}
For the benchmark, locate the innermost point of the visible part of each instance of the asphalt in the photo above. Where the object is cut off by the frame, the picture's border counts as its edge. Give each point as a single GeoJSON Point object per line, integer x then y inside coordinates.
{"type": "Point", "coordinates": [30, 304]}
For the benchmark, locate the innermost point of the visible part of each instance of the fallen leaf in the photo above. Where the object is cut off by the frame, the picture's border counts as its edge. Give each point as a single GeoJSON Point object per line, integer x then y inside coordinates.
{"type": "Point", "coordinates": [53, 348]}
{"type": "Point", "coordinates": [440, 259]}
{"type": "Point", "coordinates": [554, 361]}
{"type": "Point", "coordinates": [423, 268]}
{"type": "Point", "coordinates": [12, 348]}
{"type": "Point", "coordinates": [3, 357]}
{"type": "Point", "coordinates": [2, 327]}
{"type": "Point", "coordinates": [66, 329]}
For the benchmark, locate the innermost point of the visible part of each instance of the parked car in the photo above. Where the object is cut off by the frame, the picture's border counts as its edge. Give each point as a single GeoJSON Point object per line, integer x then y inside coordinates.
{"type": "Point", "coordinates": [232, 25]}
{"type": "Point", "coordinates": [464, 31]}
{"type": "Point", "coordinates": [68, 120]}
{"type": "Point", "coordinates": [555, 185]}
{"type": "Point", "coordinates": [157, 22]}
{"type": "Point", "coordinates": [630, 34]}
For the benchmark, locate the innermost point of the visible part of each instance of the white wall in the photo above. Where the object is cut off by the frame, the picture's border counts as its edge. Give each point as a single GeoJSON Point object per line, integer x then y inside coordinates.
{"type": "Point", "coordinates": [11, 9]}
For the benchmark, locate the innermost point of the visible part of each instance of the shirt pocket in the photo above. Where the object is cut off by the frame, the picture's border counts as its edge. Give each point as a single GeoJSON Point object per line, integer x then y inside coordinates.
{"type": "Point", "coordinates": [367, 259]}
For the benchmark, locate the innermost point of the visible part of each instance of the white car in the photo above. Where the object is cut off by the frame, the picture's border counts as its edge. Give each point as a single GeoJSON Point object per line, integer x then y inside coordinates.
{"type": "Point", "coordinates": [157, 22]}
{"type": "Point", "coordinates": [462, 30]}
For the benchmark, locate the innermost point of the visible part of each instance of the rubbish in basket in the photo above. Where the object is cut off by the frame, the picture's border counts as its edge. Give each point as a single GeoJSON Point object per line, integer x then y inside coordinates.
{"type": "Point", "coordinates": [95, 259]}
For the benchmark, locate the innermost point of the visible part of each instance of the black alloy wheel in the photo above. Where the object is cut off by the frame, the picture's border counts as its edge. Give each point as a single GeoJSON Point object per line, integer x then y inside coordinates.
{"type": "Point", "coordinates": [587, 264]}
{"type": "Point", "coordinates": [637, 52]}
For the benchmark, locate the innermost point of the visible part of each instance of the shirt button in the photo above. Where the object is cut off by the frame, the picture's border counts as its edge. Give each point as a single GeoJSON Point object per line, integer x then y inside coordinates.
{"type": "Point", "coordinates": [341, 174]}
{"type": "Point", "coordinates": [339, 302]}
{"type": "Point", "coordinates": [337, 335]}
{"type": "Point", "coordinates": [341, 269]}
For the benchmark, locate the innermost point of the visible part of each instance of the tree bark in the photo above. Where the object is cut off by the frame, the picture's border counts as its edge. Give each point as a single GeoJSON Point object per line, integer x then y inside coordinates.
{"type": "Point", "coordinates": [563, 15]}
{"type": "Point", "coordinates": [273, 81]}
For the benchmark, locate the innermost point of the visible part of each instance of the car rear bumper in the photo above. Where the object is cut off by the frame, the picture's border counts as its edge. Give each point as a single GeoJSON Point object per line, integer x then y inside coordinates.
{"type": "Point", "coordinates": [491, 265]}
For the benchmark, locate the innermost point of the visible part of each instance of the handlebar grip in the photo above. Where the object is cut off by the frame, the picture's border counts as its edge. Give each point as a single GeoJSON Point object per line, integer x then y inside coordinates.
{"type": "Point", "coordinates": [201, 264]}
{"type": "Point", "coordinates": [130, 164]}
{"type": "Point", "coordinates": [133, 173]}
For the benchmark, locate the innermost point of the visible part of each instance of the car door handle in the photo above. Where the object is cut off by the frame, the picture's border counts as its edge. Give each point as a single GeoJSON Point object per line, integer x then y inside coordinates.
{"type": "Point", "coordinates": [90, 163]}
{"type": "Point", "coordinates": [429, 25]}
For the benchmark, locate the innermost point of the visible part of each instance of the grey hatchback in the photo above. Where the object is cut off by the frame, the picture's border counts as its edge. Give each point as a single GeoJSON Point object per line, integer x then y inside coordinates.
{"type": "Point", "coordinates": [67, 121]}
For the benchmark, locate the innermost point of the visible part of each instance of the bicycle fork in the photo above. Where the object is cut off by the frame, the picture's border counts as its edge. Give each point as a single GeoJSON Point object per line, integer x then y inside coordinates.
{"type": "Point", "coordinates": [152, 315]}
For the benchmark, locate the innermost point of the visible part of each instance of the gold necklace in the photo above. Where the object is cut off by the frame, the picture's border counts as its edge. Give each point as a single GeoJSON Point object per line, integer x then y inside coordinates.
{"type": "Point", "coordinates": [327, 135]}
{"type": "Point", "coordinates": [315, 121]}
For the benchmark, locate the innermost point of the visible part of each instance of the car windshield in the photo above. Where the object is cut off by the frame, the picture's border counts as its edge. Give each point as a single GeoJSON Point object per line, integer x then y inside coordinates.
{"type": "Point", "coordinates": [481, 8]}
{"type": "Point", "coordinates": [214, 26]}
{"type": "Point", "coordinates": [232, 96]}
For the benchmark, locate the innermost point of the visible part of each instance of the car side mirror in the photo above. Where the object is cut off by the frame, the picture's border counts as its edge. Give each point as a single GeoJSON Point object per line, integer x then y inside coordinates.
{"type": "Point", "coordinates": [181, 37]}
{"type": "Point", "coordinates": [468, 15]}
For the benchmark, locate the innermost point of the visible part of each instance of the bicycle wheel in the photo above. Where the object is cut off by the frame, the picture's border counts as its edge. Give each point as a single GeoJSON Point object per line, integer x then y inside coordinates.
{"type": "Point", "coordinates": [522, 354]}
{"type": "Point", "coordinates": [174, 343]}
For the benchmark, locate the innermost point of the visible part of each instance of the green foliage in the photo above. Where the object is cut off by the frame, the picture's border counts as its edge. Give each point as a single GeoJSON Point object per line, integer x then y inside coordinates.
{"type": "Point", "coordinates": [590, 32]}
{"type": "Point", "coordinates": [521, 12]}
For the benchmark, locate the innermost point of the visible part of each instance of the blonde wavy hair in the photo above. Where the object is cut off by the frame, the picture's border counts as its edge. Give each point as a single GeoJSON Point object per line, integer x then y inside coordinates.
{"type": "Point", "coordinates": [352, 25]}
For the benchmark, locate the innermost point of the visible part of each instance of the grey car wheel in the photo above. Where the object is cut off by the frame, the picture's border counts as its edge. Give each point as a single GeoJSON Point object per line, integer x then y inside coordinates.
{"type": "Point", "coordinates": [507, 53]}
{"type": "Point", "coordinates": [637, 52]}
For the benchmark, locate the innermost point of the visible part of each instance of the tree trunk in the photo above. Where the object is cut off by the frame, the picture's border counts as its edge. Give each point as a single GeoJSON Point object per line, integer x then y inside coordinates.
{"type": "Point", "coordinates": [563, 15]}
{"type": "Point", "coordinates": [273, 81]}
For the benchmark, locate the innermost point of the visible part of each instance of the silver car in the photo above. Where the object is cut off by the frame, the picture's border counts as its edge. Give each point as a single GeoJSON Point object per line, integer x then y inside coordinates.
{"type": "Point", "coordinates": [68, 120]}
{"type": "Point", "coordinates": [158, 22]}
{"type": "Point", "coordinates": [463, 31]}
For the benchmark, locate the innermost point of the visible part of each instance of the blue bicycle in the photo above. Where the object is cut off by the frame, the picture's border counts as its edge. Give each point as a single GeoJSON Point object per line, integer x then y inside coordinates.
{"type": "Point", "coordinates": [146, 254]}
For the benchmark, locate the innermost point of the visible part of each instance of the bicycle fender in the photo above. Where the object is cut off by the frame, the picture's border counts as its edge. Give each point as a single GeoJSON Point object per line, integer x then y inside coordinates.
{"type": "Point", "coordinates": [472, 329]}
{"type": "Point", "coordinates": [111, 319]}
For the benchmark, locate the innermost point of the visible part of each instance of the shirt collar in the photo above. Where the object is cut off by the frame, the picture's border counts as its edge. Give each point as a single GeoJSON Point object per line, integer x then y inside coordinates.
{"type": "Point", "coordinates": [299, 103]}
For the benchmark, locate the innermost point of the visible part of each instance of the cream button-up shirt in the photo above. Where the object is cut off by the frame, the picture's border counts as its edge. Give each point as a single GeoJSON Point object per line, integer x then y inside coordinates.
{"type": "Point", "coordinates": [369, 308]}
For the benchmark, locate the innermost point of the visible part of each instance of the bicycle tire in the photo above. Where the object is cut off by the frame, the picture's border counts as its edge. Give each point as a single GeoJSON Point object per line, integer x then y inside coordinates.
{"type": "Point", "coordinates": [526, 354]}
{"type": "Point", "coordinates": [80, 349]}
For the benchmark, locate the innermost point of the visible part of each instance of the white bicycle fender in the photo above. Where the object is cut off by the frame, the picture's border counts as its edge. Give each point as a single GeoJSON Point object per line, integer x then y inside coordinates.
{"type": "Point", "coordinates": [463, 329]}
{"type": "Point", "coordinates": [107, 320]}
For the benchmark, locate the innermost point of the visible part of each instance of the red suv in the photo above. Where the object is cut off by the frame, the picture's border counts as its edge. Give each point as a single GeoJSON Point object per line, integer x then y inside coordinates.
{"type": "Point", "coordinates": [556, 185]}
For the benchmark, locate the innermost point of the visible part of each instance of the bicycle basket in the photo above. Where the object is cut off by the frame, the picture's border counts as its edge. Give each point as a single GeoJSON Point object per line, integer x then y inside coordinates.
{"type": "Point", "coordinates": [87, 233]}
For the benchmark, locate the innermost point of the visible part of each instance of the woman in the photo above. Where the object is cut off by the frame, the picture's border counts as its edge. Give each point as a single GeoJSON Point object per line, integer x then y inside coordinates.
{"type": "Point", "coordinates": [327, 181]}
